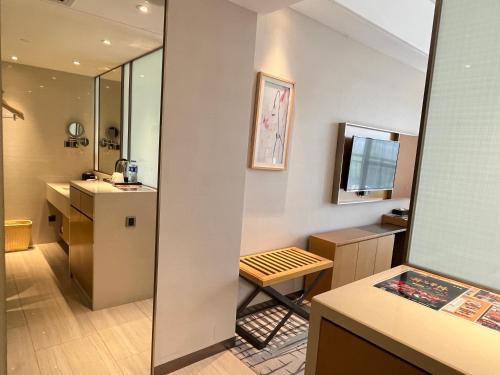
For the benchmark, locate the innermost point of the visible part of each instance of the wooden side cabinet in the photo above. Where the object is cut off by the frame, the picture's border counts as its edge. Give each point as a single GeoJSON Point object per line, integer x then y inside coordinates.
{"type": "Point", "coordinates": [340, 351]}
{"type": "Point", "coordinates": [356, 253]}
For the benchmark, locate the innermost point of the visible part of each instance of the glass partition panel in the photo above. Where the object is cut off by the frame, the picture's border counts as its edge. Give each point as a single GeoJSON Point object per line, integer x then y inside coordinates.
{"type": "Point", "coordinates": [145, 116]}
{"type": "Point", "coordinates": [110, 112]}
{"type": "Point", "coordinates": [456, 221]}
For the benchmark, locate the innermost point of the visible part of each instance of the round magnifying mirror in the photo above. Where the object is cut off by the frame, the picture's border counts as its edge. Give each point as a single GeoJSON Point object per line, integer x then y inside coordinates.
{"type": "Point", "coordinates": [75, 129]}
{"type": "Point", "coordinates": [112, 132]}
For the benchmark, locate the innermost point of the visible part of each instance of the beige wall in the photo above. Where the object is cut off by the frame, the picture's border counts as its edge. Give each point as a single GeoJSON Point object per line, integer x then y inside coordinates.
{"type": "Point", "coordinates": [337, 80]}
{"type": "Point", "coordinates": [33, 148]}
{"type": "Point", "coordinates": [3, 313]}
{"type": "Point", "coordinates": [206, 119]}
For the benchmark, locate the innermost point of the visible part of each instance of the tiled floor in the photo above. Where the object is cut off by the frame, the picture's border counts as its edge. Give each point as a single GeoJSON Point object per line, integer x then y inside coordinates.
{"type": "Point", "coordinates": [51, 331]}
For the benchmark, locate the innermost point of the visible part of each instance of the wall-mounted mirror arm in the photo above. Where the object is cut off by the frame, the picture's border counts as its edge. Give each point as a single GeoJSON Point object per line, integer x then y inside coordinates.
{"type": "Point", "coordinates": [15, 113]}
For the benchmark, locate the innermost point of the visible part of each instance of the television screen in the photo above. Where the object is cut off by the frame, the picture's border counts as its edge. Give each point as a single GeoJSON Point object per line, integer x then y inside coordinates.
{"type": "Point", "coordinates": [373, 164]}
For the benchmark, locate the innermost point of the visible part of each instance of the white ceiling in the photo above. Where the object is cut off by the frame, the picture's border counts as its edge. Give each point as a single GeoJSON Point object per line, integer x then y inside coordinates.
{"type": "Point", "coordinates": [398, 28]}
{"type": "Point", "coordinates": [264, 6]}
{"type": "Point", "coordinates": [49, 35]}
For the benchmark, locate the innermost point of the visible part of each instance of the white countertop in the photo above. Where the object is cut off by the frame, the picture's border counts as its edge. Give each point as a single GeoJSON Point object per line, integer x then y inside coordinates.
{"type": "Point", "coordinates": [60, 187]}
{"type": "Point", "coordinates": [57, 193]}
{"type": "Point", "coordinates": [435, 341]}
{"type": "Point", "coordinates": [99, 187]}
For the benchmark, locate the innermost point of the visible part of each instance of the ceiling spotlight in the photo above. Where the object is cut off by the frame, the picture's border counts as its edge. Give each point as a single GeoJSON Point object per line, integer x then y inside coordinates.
{"type": "Point", "coordinates": [106, 42]}
{"type": "Point", "coordinates": [14, 58]}
{"type": "Point", "coordinates": [76, 62]}
{"type": "Point", "coordinates": [143, 8]}
{"type": "Point", "coordinates": [142, 76]}
{"type": "Point", "coordinates": [54, 78]}
{"type": "Point", "coordinates": [467, 66]}
{"type": "Point", "coordinates": [42, 86]}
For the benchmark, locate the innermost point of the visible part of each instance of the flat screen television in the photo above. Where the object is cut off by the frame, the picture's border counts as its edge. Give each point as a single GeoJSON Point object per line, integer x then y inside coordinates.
{"type": "Point", "coordinates": [373, 164]}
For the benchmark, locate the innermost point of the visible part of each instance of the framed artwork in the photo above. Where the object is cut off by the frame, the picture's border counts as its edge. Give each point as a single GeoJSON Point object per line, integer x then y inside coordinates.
{"type": "Point", "coordinates": [273, 120]}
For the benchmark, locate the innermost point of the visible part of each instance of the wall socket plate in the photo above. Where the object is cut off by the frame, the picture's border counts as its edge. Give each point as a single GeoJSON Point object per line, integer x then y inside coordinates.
{"type": "Point", "coordinates": [130, 221]}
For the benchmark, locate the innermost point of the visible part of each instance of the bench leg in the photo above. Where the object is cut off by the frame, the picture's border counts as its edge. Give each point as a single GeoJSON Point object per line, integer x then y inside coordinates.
{"type": "Point", "coordinates": [292, 305]}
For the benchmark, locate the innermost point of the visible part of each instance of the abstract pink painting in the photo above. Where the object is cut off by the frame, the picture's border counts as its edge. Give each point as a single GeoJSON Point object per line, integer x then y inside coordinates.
{"type": "Point", "coordinates": [273, 114]}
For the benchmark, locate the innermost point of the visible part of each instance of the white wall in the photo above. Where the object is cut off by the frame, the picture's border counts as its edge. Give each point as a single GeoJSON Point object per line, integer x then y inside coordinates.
{"type": "Point", "coordinates": [337, 80]}
{"type": "Point", "coordinates": [208, 88]}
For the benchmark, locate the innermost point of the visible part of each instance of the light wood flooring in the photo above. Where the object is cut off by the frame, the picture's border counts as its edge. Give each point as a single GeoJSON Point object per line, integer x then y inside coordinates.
{"type": "Point", "coordinates": [51, 331]}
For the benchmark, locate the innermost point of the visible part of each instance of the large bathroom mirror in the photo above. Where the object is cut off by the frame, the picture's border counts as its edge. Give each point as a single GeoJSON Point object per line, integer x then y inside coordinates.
{"type": "Point", "coordinates": [109, 118]}
{"type": "Point", "coordinates": [86, 74]}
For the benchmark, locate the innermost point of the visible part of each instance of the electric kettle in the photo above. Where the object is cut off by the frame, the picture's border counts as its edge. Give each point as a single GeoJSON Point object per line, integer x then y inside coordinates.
{"type": "Point", "coordinates": [121, 166]}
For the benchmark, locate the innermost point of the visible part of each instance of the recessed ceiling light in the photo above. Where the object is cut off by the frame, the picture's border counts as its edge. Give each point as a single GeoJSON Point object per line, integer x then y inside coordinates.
{"type": "Point", "coordinates": [76, 62]}
{"type": "Point", "coordinates": [106, 42]}
{"type": "Point", "coordinates": [14, 58]}
{"type": "Point", "coordinates": [107, 87]}
{"type": "Point", "coordinates": [42, 86]}
{"type": "Point", "coordinates": [143, 8]}
{"type": "Point", "coordinates": [142, 76]}
{"type": "Point", "coordinates": [54, 78]}
{"type": "Point", "coordinates": [29, 91]}
{"type": "Point", "coordinates": [467, 66]}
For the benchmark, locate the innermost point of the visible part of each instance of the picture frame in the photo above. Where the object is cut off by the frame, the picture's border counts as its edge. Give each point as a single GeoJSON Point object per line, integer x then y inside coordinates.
{"type": "Point", "coordinates": [274, 106]}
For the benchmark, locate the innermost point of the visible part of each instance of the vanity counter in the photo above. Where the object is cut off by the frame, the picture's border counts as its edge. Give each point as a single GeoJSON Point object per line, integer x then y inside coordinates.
{"type": "Point", "coordinates": [93, 187]}
{"type": "Point", "coordinates": [60, 187]}
{"type": "Point", "coordinates": [57, 194]}
{"type": "Point", "coordinates": [112, 247]}
{"type": "Point", "coordinates": [384, 325]}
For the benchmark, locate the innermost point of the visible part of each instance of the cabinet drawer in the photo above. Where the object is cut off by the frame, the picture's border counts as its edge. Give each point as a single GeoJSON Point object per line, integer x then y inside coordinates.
{"type": "Point", "coordinates": [74, 197]}
{"type": "Point", "coordinates": [82, 202]}
{"type": "Point", "coordinates": [87, 204]}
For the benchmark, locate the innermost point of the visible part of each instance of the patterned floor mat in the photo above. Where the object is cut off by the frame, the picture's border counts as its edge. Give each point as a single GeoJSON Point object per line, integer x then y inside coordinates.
{"type": "Point", "coordinates": [285, 354]}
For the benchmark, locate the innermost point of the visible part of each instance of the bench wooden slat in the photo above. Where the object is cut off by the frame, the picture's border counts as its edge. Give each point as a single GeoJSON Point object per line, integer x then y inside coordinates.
{"type": "Point", "coordinates": [258, 267]}
{"type": "Point", "coordinates": [298, 258]}
{"type": "Point", "coordinates": [272, 267]}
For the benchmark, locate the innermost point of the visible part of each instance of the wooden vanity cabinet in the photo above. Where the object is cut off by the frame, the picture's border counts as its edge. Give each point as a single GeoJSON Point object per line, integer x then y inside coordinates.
{"type": "Point", "coordinates": [81, 228]}
{"type": "Point", "coordinates": [112, 242]}
{"type": "Point", "coordinates": [356, 253]}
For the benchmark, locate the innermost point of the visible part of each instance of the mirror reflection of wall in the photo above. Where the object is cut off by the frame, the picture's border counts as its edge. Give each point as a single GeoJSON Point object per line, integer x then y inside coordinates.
{"type": "Point", "coordinates": [128, 117]}
{"type": "Point", "coordinates": [145, 116]}
{"type": "Point", "coordinates": [110, 114]}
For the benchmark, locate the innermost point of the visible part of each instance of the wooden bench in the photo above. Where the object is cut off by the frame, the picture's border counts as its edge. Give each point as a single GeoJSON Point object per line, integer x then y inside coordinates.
{"type": "Point", "coordinates": [272, 267]}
